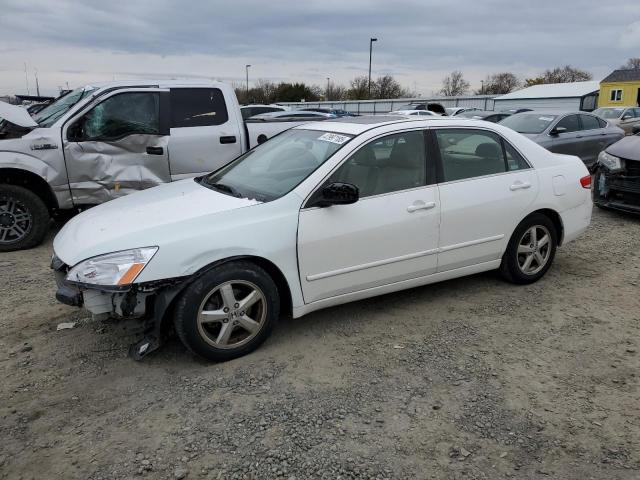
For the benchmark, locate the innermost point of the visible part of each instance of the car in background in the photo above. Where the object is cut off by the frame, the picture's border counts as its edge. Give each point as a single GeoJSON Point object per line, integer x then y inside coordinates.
{"type": "Point", "coordinates": [486, 115]}
{"type": "Point", "coordinates": [617, 176]}
{"type": "Point", "coordinates": [293, 115]}
{"type": "Point", "coordinates": [572, 133]}
{"type": "Point", "coordinates": [454, 111]}
{"type": "Point", "coordinates": [323, 214]}
{"type": "Point", "coordinates": [624, 117]}
{"type": "Point", "coordinates": [333, 111]}
{"type": "Point", "coordinates": [513, 111]}
{"type": "Point", "coordinates": [249, 111]}
{"type": "Point", "coordinates": [431, 106]}
{"type": "Point", "coordinates": [415, 113]}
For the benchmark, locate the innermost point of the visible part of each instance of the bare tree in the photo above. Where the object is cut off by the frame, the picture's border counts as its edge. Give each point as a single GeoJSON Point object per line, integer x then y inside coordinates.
{"type": "Point", "coordinates": [566, 74]}
{"type": "Point", "coordinates": [359, 88]}
{"type": "Point", "coordinates": [632, 64]}
{"type": "Point", "coordinates": [388, 87]}
{"type": "Point", "coordinates": [499, 83]}
{"type": "Point", "coordinates": [454, 84]}
{"type": "Point", "coordinates": [264, 91]}
{"type": "Point", "coordinates": [335, 92]}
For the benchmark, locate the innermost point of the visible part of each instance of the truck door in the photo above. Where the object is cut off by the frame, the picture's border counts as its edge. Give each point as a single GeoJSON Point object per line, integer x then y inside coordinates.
{"type": "Point", "coordinates": [118, 145]}
{"type": "Point", "coordinates": [204, 133]}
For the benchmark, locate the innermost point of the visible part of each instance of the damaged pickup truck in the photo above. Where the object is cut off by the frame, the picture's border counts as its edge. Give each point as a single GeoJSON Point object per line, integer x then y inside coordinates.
{"type": "Point", "coordinates": [617, 177]}
{"type": "Point", "coordinates": [104, 141]}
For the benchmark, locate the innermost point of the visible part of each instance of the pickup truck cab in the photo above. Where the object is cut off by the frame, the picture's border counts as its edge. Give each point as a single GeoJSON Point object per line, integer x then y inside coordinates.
{"type": "Point", "coordinates": [100, 142]}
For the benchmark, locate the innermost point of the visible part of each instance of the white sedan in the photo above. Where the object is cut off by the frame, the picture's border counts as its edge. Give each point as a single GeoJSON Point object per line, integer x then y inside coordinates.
{"type": "Point", "coordinates": [325, 213]}
{"type": "Point", "coordinates": [415, 113]}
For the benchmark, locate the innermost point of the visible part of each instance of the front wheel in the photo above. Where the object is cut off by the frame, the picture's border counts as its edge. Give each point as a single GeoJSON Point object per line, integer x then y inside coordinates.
{"type": "Point", "coordinates": [531, 250]}
{"type": "Point", "coordinates": [24, 218]}
{"type": "Point", "coordinates": [228, 312]}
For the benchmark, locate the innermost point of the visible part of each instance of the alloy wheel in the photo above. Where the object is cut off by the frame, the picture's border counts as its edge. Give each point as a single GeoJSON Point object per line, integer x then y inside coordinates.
{"type": "Point", "coordinates": [15, 220]}
{"type": "Point", "coordinates": [232, 314]}
{"type": "Point", "coordinates": [534, 249]}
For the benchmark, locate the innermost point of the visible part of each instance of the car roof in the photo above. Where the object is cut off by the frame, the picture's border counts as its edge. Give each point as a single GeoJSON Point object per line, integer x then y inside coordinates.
{"type": "Point", "coordinates": [146, 82]}
{"type": "Point", "coordinates": [358, 125]}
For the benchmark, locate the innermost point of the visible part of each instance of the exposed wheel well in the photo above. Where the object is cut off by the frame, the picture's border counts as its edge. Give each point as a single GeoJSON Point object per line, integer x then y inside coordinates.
{"type": "Point", "coordinates": [31, 181]}
{"type": "Point", "coordinates": [555, 218]}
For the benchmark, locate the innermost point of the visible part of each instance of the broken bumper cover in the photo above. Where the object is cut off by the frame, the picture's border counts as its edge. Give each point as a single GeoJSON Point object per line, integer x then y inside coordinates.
{"type": "Point", "coordinates": [620, 191]}
{"type": "Point", "coordinates": [147, 303]}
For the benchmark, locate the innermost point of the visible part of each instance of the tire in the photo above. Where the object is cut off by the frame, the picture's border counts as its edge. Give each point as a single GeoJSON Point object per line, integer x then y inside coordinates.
{"type": "Point", "coordinates": [24, 218]}
{"type": "Point", "coordinates": [202, 333]}
{"type": "Point", "coordinates": [514, 267]}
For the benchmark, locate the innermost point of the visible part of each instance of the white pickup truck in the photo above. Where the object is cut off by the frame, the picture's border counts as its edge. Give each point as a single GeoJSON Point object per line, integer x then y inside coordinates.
{"type": "Point", "coordinates": [103, 141]}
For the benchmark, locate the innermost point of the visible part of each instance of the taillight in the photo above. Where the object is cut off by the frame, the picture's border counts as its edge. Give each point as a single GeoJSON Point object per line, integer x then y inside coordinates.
{"type": "Point", "coordinates": [586, 181]}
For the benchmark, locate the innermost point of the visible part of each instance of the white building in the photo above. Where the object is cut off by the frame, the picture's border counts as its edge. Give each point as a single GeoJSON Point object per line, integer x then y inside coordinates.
{"type": "Point", "coordinates": [552, 96]}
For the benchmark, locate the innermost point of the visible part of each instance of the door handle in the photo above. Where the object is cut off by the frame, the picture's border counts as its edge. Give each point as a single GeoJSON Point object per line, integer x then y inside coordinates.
{"type": "Point", "coordinates": [420, 205]}
{"type": "Point", "coordinates": [228, 139]}
{"type": "Point", "coordinates": [155, 150]}
{"type": "Point", "coordinates": [519, 186]}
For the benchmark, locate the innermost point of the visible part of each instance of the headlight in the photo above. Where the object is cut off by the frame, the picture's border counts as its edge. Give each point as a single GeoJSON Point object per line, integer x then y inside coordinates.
{"type": "Point", "coordinates": [118, 268]}
{"type": "Point", "coordinates": [614, 164]}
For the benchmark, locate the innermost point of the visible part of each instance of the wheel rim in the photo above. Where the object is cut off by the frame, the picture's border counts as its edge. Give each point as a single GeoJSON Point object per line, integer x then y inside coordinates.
{"type": "Point", "coordinates": [534, 249]}
{"type": "Point", "coordinates": [232, 314]}
{"type": "Point", "coordinates": [15, 220]}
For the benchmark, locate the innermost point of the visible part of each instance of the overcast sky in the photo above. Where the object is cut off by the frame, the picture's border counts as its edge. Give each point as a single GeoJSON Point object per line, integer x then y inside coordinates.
{"type": "Point", "coordinates": [419, 41]}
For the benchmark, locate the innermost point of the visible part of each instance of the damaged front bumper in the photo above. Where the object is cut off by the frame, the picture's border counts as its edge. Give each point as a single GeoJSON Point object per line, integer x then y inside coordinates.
{"type": "Point", "coordinates": [618, 190]}
{"type": "Point", "coordinates": [146, 302]}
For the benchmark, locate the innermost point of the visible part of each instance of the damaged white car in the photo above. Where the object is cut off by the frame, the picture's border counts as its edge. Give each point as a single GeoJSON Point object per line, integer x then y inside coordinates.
{"type": "Point", "coordinates": [323, 214]}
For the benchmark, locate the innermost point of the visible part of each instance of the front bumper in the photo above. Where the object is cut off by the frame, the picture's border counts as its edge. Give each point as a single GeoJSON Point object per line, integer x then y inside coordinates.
{"type": "Point", "coordinates": [148, 303]}
{"type": "Point", "coordinates": [620, 191]}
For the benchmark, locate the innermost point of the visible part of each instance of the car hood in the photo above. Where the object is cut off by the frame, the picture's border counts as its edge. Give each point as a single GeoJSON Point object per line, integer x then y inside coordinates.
{"type": "Point", "coordinates": [628, 147]}
{"type": "Point", "coordinates": [16, 115]}
{"type": "Point", "coordinates": [146, 218]}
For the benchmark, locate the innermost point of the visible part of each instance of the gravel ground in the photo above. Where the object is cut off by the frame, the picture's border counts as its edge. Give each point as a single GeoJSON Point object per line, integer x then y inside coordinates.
{"type": "Point", "coordinates": [468, 379]}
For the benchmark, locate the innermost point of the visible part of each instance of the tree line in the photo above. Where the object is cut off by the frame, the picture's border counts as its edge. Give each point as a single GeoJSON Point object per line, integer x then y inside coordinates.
{"type": "Point", "coordinates": [386, 86]}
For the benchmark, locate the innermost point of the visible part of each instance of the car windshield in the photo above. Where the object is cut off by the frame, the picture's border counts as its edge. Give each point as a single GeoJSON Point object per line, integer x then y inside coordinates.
{"type": "Point", "coordinates": [48, 116]}
{"type": "Point", "coordinates": [276, 167]}
{"type": "Point", "coordinates": [609, 112]}
{"type": "Point", "coordinates": [528, 122]}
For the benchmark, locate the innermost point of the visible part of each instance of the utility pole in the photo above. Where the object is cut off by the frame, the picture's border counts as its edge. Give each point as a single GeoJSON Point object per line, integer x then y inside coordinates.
{"type": "Point", "coordinates": [26, 77]}
{"type": "Point", "coordinates": [481, 87]}
{"type": "Point", "coordinates": [37, 84]}
{"type": "Point", "coordinates": [247, 72]}
{"type": "Point", "coordinates": [327, 93]}
{"type": "Point", "coordinates": [371, 40]}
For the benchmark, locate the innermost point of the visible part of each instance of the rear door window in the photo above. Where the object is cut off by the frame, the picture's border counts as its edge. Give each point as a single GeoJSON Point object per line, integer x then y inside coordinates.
{"type": "Point", "coordinates": [197, 107]}
{"type": "Point", "coordinates": [570, 122]}
{"type": "Point", "coordinates": [589, 122]}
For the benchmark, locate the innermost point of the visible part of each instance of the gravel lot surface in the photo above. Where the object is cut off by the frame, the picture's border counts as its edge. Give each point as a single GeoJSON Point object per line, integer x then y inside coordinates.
{"type": "Point", "coordinates": [468, 379]}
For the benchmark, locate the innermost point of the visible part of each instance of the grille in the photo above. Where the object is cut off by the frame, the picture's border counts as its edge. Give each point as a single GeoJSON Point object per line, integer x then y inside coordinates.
{"type": "Point", "coordinates": [633, 168]}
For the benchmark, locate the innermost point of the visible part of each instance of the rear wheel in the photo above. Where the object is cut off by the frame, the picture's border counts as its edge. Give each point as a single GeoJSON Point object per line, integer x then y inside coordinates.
{"type": "Point", "coordinates": [531, 250]}
{"type": "Point", "coordinates": [228, 312]}
{"type": "Point", "coordinates": [24, 218]}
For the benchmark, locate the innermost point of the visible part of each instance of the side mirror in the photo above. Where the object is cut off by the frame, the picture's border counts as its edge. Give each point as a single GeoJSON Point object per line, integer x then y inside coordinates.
{"type": "Point", "coordinates": [626, 116]}
{"type": "Point", "coordinates": [337, 193]}
{"type": "Point", "coordinates": [558, 130]}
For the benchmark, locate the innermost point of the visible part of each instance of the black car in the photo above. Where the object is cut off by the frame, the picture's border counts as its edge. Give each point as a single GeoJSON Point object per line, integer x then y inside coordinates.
{"type": "Point", "coordinates": [617, 176]}
{"type": "Point", "coordinates": [486, 115]}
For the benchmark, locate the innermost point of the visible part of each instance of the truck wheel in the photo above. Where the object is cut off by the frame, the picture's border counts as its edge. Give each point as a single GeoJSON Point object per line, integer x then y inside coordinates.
{"type": "Point", "coordinates": [227, 312]}
{"type": "Point", "coordinates": [24, 218]}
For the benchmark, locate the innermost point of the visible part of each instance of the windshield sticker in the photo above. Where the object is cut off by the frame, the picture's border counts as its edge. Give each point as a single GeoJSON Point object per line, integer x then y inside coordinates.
{"type": "Point", "coordinates": [333, 138]}
{"type": "Point", "coordinates": [545, 119]}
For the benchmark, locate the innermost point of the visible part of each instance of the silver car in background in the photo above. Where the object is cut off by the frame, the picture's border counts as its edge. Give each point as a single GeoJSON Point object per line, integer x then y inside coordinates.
{"type": "Point", "coordinates": [624, 117]}
{"type": "Point", "coordinates": [571, 133]}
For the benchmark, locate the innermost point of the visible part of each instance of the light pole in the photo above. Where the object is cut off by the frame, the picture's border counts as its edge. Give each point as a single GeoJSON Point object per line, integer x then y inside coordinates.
{"type": "Point", "coordinates": [371, 40]}
{"type": "Point", "coordinates": [481, 87]}
{"type": "Point", "coordinates": [247, 72]}
{"type": "Point", "coordinates": [327, 94]}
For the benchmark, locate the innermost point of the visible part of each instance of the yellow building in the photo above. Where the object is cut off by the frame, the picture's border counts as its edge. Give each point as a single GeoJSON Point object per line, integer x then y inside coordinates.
{"type": "Point", "coordinates": [620, 89]}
